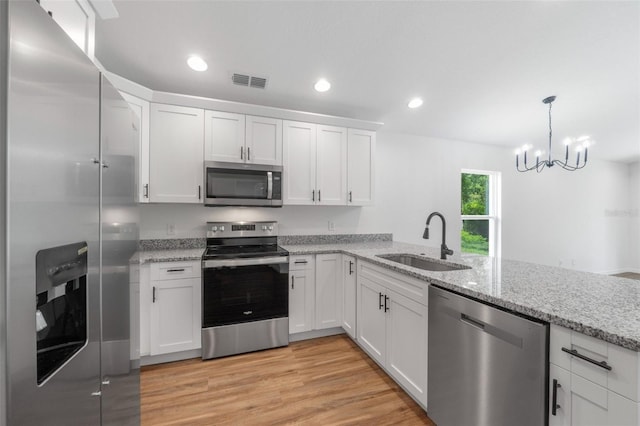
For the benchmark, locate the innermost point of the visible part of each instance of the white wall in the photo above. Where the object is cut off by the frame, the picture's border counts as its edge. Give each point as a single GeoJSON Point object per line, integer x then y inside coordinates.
{"type": "Point", "coordinates": [578, 218]}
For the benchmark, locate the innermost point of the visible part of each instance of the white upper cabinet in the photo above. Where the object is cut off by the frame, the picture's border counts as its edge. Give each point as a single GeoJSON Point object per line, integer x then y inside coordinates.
{"type": "Point", "coordinates": [141, 109]}
{"type": "Point", "coordinates": [77, 19]}
{"type": "Point", "coordinates": [237, 138]}
{"type": "Point", "coordinates": [327, 165]}
{"type": "Point", "coordinates": [331, 163]}
{"type": "Point", "coordinates": [264, 140]}
{"type": "Point", "coordinates": [176, 154]}
{"type": "Point", "coordinates": [224, 137]}
{"type": "Point", "coordinates": [360, 165]}
{"type": "Point", "coordinates": [299, 163]}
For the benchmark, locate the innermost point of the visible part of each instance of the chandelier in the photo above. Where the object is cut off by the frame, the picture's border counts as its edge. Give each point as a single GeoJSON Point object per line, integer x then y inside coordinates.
{"type": "Point", "coordinates": [539, 165]}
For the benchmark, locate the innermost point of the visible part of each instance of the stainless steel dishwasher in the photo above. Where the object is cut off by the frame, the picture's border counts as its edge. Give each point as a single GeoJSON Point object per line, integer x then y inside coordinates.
{"type": "Point", "coordinates": [486, 366]}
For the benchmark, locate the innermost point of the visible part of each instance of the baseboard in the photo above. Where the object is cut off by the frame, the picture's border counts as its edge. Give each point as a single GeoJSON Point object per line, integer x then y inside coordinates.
{"type": "Point", "coordinates": [172, 357]}
{"type": "Point", "coordinates": [315, 334]}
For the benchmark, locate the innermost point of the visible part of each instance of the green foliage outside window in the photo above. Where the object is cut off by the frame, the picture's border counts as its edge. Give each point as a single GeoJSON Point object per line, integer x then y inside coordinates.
{"type": "Point", "coordinates": [475, 201]}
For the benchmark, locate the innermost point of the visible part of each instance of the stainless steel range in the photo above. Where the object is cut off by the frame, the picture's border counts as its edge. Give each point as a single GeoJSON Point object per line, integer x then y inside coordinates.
{"type": "Point", "coordinates": [245, 297]}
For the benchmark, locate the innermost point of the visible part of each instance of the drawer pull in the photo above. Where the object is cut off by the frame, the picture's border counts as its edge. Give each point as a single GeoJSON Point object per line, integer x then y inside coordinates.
{"type": "Point", "coordinates": [601, 364]}
{"type": "Point", "coordinates": [297, 262]}
{"type": "Point", "coordinates": [175, 270]}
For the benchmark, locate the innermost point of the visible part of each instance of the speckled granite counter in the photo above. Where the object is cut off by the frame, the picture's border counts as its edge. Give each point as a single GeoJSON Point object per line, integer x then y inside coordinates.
{"type": "Point", "coordinates": [597, 305]}
{"type": "Point", "coordinates": [175, 255]}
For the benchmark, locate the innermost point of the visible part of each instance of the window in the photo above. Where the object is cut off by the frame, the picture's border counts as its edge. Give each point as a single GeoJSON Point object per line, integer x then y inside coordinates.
{"type": "Point", "coordinates": [480, 209]}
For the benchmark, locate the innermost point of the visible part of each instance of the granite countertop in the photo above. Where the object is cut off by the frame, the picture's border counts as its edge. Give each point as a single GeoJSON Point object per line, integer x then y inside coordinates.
{"type": "Point", "coordinates": [171, 255]}
{"type": "Point", "coordinates": [597, 305]}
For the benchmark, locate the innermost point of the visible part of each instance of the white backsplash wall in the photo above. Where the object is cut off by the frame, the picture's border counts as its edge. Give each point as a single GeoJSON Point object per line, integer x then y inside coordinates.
{"type": "Point", "coordinates": [189, 220]}
{"type": "Point", "coordinates": [555, 217]}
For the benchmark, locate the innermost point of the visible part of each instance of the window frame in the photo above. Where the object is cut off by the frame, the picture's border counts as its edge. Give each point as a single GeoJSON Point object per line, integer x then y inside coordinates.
{"type": "Point", "coordinates": [494, 216]}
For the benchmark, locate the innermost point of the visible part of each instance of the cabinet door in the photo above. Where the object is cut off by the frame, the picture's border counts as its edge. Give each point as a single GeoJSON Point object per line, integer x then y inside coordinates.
{"type": "Point", "coordinates": [361, 148]}
{"type": "Point", "coordinates": [592, 404]}
{"type": "Point", "coordinates": [141, 109]}
{"type": "Point", "coordinates": [331, 172]}
{"type": "Point", "coordinates": [264, 140]}
{"type": "Point", "coordinates": [561, 380]}
{"type": "Point", "coordinates": [406, 358]}
{"type": "Point", "coordinates": [301, 300]}
{"type": "Point", "coordinates": [176, 166]}
{"type": "Point", "coordinates": [77, 19]}
{"type": "Point", "coordinates": [371, 319]}
{"type": "Point", "coordinates": [349, 295]}
{"type": "Point", "coordinates": [175, 315]}
{"type": "Point", "coordinates": [299, 161]}
{"type": "Point", "coordinates": [224, 137]}
{"type": "Point", "coordinates": [328, 291]}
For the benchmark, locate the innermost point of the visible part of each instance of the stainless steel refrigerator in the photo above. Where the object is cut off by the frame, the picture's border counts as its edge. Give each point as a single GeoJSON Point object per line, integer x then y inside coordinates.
{"type": "Point", "coordinates": [70, 224]}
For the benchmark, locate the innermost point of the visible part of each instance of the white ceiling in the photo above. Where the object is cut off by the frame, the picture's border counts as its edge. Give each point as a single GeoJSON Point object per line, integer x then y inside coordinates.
{"type": "Point", "coordinates": [482, 67]}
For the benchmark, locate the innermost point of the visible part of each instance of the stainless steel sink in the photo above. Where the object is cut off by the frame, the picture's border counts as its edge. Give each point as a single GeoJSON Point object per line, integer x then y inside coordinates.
{"type": "Point", "coordinates": [419, 262]}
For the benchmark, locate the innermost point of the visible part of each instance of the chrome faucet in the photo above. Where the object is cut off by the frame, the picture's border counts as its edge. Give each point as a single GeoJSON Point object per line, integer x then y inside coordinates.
{"type": "Point", "coordinates": [444, 250]}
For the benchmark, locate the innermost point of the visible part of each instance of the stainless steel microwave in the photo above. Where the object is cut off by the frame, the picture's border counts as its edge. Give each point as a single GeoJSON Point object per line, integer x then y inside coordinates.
{"type": "Point", "coordinates": [232, 184]}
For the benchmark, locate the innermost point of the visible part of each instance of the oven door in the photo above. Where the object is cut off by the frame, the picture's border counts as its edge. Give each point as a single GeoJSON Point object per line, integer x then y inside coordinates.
{"type": "Point", "coordinates": [229, 184]}
{"type": "Point", "coordinates": [243, 290]}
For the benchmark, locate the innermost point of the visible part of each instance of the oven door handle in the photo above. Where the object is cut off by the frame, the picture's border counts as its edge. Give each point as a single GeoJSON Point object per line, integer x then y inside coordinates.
{"type": "Point", "coordinates": [220, 263]}
{"type": "Point", "coordinates": [269, 185]}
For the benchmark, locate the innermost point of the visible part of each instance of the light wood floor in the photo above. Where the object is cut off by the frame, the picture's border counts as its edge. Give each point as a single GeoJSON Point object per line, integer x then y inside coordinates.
{"type": "Point", "coordinates": [326, 381]}
{"type": "Point", "coordinates": [631, 275]}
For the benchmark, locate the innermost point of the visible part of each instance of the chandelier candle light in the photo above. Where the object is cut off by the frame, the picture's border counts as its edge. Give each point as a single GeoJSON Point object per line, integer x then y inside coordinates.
{"type": "Point", "coordinates": [583, 144]}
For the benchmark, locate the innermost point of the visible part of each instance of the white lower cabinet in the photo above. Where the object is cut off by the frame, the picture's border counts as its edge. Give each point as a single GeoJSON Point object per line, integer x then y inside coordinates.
{"type": "Point", "coordinates": [580, 402]}
{"type": "Point", "coordinates": [392, 326]}
{"type": "Point", "coordinates": [301, 293]}
{"type": "Point", "coordinates": [349, 300]}
{"type": "Point", "coordinates": [315, 292]}
{"type": "Point", "coordinates": [588, 394]}
{"type": "Point", "coordinates": [173, 306]}
{"type": "Point", "coordinates": [328, 291]}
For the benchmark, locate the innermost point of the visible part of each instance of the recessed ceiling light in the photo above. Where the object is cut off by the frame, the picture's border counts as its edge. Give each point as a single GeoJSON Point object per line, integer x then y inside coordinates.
{"type": "Point", "coordinates": [415, 103]}
{"type": "Point", "coordinates": [322, 85]}
{"type": "Point", "coordinates": [197, 63]}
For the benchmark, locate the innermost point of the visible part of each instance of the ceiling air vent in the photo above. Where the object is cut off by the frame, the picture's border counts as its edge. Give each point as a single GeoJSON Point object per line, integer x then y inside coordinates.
{"type": "Point", "coordinates": [249, 81]}
{"type": "Point", "coordinates": [258, 82]}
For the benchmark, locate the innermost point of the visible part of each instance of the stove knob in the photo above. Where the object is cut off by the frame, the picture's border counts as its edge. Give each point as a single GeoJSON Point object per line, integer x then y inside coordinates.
{"type": "Point", "coordinates": [222, 229]}
{"type": "Point", "coordinates": [264, 227]}
{"type": "Point", "coordinates": [214, 228]}
{"type": "Point", "coordinates": [271, 228]}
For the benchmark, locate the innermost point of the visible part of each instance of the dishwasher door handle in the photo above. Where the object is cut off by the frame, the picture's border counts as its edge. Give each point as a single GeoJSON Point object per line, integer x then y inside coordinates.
{"type": "Point", "coordinates": [472, 321]}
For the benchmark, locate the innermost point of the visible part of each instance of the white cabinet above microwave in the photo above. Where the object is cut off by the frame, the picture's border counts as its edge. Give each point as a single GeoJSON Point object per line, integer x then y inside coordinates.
{"type": "Point", "coordinates": [244, 139]}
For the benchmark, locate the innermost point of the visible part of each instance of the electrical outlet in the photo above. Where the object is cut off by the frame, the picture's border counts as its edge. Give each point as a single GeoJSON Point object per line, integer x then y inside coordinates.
{"type": "Point", "coordinates": [171, 229]}
{"type": "Point", "coordinates": [332, 226]}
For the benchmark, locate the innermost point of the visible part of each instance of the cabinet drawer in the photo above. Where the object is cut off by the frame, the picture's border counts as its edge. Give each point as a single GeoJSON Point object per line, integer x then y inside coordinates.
{"type": "Point", "coordinates": [624, 376]}
{"type": "Point", "coordinates": [175, 270]}
{"type": "Point", "coordinates": [409, 287]}
{"type": "Point", "coordinates": [300, 263]}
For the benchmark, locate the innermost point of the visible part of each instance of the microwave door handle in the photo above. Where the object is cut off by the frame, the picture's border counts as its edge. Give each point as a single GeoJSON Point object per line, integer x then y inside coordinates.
{"type": "Point", "coordinates": [269, 185]}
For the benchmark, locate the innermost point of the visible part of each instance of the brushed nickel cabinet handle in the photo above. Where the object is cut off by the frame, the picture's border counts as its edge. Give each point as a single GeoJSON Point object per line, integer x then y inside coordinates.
{"type": "Point", "coordinates": [248, 153]}
{"type": "Point", "coordinates": [293, 281]}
